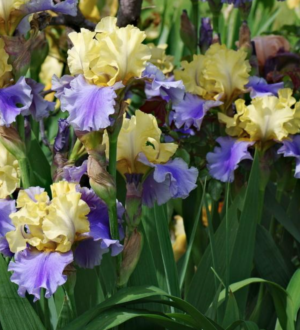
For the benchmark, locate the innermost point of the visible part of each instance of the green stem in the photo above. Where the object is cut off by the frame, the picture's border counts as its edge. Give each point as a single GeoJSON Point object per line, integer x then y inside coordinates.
{"type": "Point", "coordinates": [195, 18]}
{"type": "Point", "coordinates": [25, 172]}
{"type": "Point", "coordinates": [227, 275]}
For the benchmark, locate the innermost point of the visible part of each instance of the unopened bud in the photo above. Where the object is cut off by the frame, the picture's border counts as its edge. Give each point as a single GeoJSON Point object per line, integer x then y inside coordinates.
{"type": "Point", "coordinates": [131, 254]}
{"type": "Point", "coordinates": [133, 200]}
{"type": "Point", "coordinates": [11, 140]}
{"type": "Point", "coordinates": [245, 39]}
{"type": "Point", "coordinates": [206, 34]}
{"type": "Point", "coordinates": [188, 32]}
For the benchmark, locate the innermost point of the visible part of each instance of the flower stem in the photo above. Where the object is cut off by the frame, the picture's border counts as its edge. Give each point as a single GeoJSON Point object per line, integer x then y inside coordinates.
{"type": "Point", "coordinates": [227, 275]}
{"type": "Point", "coordinates": [25, 172]}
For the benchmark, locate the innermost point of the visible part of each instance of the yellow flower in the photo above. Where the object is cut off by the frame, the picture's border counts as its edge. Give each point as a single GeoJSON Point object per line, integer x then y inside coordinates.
{"type": "Point", "coordinates": [266, 118]}
{"type": "Point", "coordinates": [219, 74]}
{"type": "Point", "coordinates": [192, 75]}
{"type": "Point", "coordinates": [160, 59]}
{"type": "Point", "coordinates": [46, 225]}
{"type": "Point", "coordinates": [89, 9]}
{"type": "Point", "coordinates": [66, 220]}
{"type": "Point", "coordinates": [4, 66]}
{"type": "Point", "coordinates": [9, 173]}
{"type": "Point", "coordinates": [226, 72]}
{"type": "Point", "coordinates": [140, 134]}
{"type": "Point", "coordinates": [292, 4]}
{"type": "Point", "coordinates": [110, 54]}
{"type": "Point", "coordinates": [10, 16]}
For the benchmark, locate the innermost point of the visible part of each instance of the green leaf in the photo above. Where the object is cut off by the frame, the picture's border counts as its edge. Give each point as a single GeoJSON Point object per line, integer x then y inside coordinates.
{"type": "Point", "coordinates": [268, 258]}
{"type": "Point", "coordinates": [232, 311]}
{"type": "Point", "coordinates": [156, 224]}
{"type": "Point", "coordinates": [282, 300]}
{"type": "Point", "coordinates": [243, 252]}
{"type": "Point", "coordinates": [15, 312]}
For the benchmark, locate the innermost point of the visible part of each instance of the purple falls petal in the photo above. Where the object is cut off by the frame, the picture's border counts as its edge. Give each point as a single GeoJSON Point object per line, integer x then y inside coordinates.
{"type": "Point", "coordinates": [191, 111]}
{"type": "Point", "coordinates": [6, 208]}
{"type": "Point", "coordinates": [14, 100]}
{"type": "Point", "coordinates": [67, 7]}
{"type": "Point", "coordinates": [167, 88]}
{"type": "Point", "coordinates": [34, 270]}
{"type": "Point", "coordinates": [75, 173]}
{"type": "Point", "coordinates": [224, 160]}
{"type": "Point", "coordinates": [89, 106]}
{"type": "Point", "coordinates": [40, 107]}
{"type": "Point", "coordinates": [291, 148]}
{"type": "Point", "coordinates": [260, 88]}
{"type": "Point", "coordinates": [88, 253]}
{"type": "Point", "coordinates": [59, 85]}
{"type": "Point", "coordinates": [171, 180]}
{"type": "Point", "coordinates": [61, 143]}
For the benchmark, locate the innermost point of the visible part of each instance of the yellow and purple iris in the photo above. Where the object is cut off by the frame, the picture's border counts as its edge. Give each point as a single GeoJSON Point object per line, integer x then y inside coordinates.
{"type": "Point", "coordinates": [12, 12]}
{"type": "Point", "coordinates": [47, 235]}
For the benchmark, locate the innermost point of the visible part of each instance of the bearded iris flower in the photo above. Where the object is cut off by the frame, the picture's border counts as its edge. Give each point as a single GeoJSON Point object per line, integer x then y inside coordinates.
{"type": "Point", "coordinates": [101, 62]}
{"type": "Point", "coordinates": [46, 236]}
{"type": "Point", "coordinates": [12, 12]}
{"type": "Point", "coordinates": [143, 159]}
{"type": "Point", "coordinates": [291, 148]}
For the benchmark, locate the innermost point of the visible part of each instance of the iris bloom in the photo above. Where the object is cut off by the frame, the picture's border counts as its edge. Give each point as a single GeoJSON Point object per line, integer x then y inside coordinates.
{"type": "Point", "coordinates": [266, 118]}
{"type": "Point", "coordinates": [101, 62]}
{"type": "Point", "coordinates": [46, 236]}
{"type": "Point", "coordinates": [291, 148]}
{"type": "Point", "coordinates": [220, 74]}
{"type": "Point", "coordinates": [142, 157]}
{"type": "Point", "coordinates": [12, 12]}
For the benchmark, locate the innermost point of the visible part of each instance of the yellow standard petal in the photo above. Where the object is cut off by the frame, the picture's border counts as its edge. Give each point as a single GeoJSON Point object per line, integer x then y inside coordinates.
{"type": "Point", "coordinates": [123, 50]}
{"type": "Point", "coordinates": [271, 117]}
{"type": "Point", "coordinates": [67, 219]}
{"type": "Point", "coordinates": [160, 59]}
{"type": "Point", "coordinates": [226, 72]}
{"type": "Point", "coordinates": [62, 188]}
{"type": "Point", "coordinates": [192, 75]}
{"type": "Point", "coordinates": [140, 134]}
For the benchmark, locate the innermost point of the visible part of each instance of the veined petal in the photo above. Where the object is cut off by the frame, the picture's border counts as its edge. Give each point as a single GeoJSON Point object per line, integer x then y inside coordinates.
{"type": "Point", "coordinates": [6, 208]}
{"type": "Point", "coordinates": [75, 173]}
{"type": "Point", "coordinates": [59, 84]}
{"type": "Point", "coordinates": [67, 219]}
{"type": "Point", "coordinates": [40, 107]}
{"type": "Point", "coordinates": [259, 87]}
{"type": "Point", "coordinates": [191, 111]}
{"type": "Point", "coordinates": [291, 148]}
{"type": "Point", "coordinates": [89, 105]}
{"type": "Point", "coordinates": [34, 270]}
{"type": "Point", "coordinates": [67, 7]}
{"type": "Point", "coordinates": [224, 160]}
{"type": "Point", "coordinates": [10, 100]}
{"type": "Point", "coordinates": [171, 180]}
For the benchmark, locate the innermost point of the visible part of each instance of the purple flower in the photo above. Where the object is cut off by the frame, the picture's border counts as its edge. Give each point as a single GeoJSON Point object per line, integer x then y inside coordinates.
{"type": "Point", "coordinates": [224, 160]}
{"type": "Point", "coordinates": [89, 252]}
{"type": "Point", "coordinates": [34, 270]}
{"type": "Point", "coordinates": [39, 108]}
{"type": "Point", "coordinates": [61, 143]}
{"type": "Point", "coordinates": [6, 208]}
{"type": "Point", "coordinates": [67, 7]}
{"type": "Point", "coordinates": [291, 148]}
{"type": "Point", "coordinates": [171, 180]}
{"type": "Point", "coordinates": [191, 111]}
{"type": "Point", "coordinates": [237, 3]}
{"type": "Point", "coordinates": [59, 85]}
{"type": "Point", "coordinates": [89, 106]}
{"type": "Point", "coordinates": [75, 173]}
{"type": "Point", "coordinates": [260, 88]}
{"type": "Point", "coordinates": [206, 34]}
{"type": "Point", "coordinates": [14, 100]}
{"type": "Point", "coordinates": [166, 88]}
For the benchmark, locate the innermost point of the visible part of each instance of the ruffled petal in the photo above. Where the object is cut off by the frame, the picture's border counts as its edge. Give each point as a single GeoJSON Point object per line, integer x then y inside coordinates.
{"type": "Point", "coordinates": [260, 88]}
{"type": "Point", "coordinates": [6, 208]}
{"type": "Point", "coordinates": [224, 160]}
{"type": "Point", "coordinates": [34, 270]}
{"type": "Point", "coordinates": [89, 106]}
{"type": "Point", "coordinates": [10, 100]}
{"type": "Point", "coordinates": [171, 180]}
{"type": "Point", "coordinates": [168, 89]}
{"type": "Point", "coordinates": [191, 111]}
{"type": "Point", "coordinates": [88, 253]}
{"type": "Point", "coordinates": [67, 7]}
{"type": "Point", "coordinates": [291, 148]}
{"type": "Point", "coordinates": [40, 107]}
{"type": "Point", "coordinates": [75, 173]}
{"type": "Point", "coordinates": [59, 84]}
